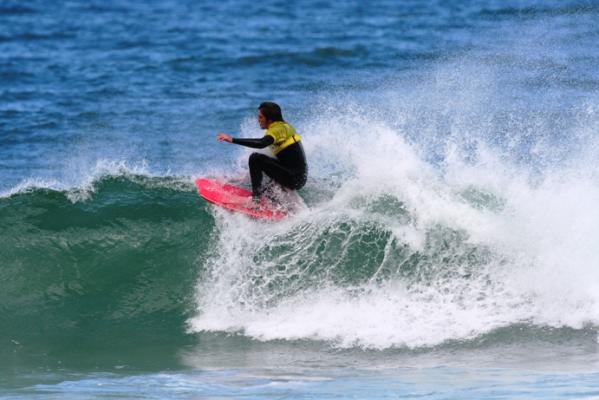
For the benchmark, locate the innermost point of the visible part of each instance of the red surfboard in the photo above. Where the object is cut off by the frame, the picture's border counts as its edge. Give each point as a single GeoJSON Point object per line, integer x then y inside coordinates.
{"type": "Point", "coordinates": [238, 199]}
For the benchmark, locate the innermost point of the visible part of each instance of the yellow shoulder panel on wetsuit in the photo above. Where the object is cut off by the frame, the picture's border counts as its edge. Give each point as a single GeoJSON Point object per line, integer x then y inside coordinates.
{"type": "Point", "coordinates": [284, 135]}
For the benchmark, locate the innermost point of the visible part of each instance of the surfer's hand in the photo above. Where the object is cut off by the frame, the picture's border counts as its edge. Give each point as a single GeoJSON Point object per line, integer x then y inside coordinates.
{"type": "Point", "coordinates": [223, 137]}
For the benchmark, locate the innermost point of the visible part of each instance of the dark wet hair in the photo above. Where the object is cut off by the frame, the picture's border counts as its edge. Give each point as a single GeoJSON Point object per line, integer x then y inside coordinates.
{"type": "Point", "coordinates": [271, 111]}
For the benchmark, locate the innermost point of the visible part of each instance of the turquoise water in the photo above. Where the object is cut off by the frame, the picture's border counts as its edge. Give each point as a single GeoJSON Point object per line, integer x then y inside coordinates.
{"type": "Point", "coordinates": [403, 382]}
{"type": "Point", "coordinates": [448, 244]}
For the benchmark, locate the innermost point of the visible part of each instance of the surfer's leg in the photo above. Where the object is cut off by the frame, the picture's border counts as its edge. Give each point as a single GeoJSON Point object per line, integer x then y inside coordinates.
{"type": "Point", "coordinates": [260, 163]}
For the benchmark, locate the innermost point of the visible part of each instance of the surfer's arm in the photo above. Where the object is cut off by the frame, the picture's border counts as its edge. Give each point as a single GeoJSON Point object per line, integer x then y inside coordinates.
{"type": "Point", "coordinates": [255, 143]}
{"type": "Point", "coordinates": [261, 143]}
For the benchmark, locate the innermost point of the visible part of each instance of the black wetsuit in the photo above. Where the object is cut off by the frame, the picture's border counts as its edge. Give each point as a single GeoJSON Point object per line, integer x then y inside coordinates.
{"type": "Point", "coordinates": [289, 168]}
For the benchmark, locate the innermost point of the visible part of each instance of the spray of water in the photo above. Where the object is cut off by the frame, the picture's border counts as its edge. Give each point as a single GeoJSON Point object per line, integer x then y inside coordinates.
{"type": "Point", "coordinates": [442, 208]}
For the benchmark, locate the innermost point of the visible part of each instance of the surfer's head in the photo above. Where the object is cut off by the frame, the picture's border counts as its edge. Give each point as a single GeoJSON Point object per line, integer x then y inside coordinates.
{"type": "Point", "coordinates": [268, 113]}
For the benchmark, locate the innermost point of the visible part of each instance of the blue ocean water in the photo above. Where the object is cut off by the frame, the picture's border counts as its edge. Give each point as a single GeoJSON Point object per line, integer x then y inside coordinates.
{"type": "Point", "coordinates": [448, 244]}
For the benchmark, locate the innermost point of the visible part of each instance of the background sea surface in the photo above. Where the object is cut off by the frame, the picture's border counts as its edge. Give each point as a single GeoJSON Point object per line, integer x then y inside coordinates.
{"type": "Point", "coordinates": [448, 248]}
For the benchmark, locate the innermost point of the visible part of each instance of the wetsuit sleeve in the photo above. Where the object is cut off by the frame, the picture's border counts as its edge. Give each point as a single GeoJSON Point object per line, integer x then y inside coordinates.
{"type": "Point", "coordinates": [255, 143]}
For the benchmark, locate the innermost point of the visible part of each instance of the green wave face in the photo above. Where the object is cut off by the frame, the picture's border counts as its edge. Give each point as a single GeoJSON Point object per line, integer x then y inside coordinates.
{"type": "Point", "coordinates": [141, 272]}
{"type": "Point", "coordinates": [119, 270]}
{"type": "Point", "coordinates": [113, 269]}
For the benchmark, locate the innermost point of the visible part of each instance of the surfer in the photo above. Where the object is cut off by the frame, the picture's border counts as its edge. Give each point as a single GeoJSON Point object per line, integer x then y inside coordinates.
{"type": "Point", "coordinates": [289, 167]}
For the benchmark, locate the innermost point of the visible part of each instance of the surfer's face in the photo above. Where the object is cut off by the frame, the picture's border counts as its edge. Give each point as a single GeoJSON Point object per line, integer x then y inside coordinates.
{"type": "Point", "coordinates": [262, 120]}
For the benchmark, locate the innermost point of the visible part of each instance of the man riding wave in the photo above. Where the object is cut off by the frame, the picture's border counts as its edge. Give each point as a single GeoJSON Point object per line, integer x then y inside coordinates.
{"type": "Point", "coordinates": [289, 167]}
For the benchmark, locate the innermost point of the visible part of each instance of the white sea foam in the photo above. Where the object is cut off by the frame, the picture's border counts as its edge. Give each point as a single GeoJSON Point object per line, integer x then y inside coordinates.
{"type": "Point", "coordinates": [79, 184]}
{"type": "Point", "coordinates": [523, 210]}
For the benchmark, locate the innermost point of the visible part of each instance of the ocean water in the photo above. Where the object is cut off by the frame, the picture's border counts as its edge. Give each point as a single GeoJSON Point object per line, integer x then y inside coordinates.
{"type": "Point", "coordinates": [449, 244]}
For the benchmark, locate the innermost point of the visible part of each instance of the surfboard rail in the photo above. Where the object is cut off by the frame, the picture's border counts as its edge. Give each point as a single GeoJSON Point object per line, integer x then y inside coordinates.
{"type": "Point", "coordinates": [238, 199]}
